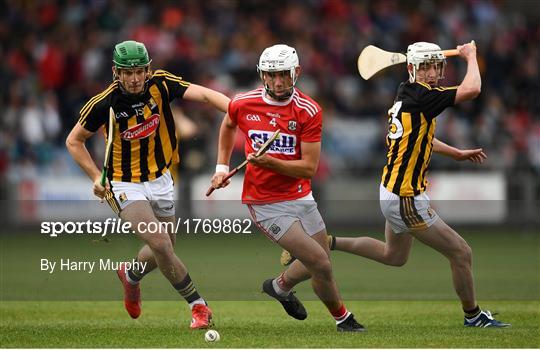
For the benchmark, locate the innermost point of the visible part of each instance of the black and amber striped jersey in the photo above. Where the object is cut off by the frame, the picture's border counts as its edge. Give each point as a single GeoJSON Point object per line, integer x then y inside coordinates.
{"type": "Point", "coordinates": [410, 136]}
{"type": "Point", "coordinates": [144, 141]}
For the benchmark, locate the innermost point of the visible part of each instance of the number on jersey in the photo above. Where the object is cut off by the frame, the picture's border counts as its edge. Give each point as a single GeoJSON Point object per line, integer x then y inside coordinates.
{"type": "Point", "coordinates": [395, 128]}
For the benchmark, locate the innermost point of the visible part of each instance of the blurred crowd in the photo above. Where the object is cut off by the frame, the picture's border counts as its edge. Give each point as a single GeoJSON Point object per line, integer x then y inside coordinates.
{"type": "Point", "coordinates": [57, 55]}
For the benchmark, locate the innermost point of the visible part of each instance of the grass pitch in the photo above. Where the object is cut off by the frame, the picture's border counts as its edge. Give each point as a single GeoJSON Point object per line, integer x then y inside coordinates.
{"type": "Point", "coordinates": [262, 324]}
{"type": "Point", "coordinates": [408, 307]}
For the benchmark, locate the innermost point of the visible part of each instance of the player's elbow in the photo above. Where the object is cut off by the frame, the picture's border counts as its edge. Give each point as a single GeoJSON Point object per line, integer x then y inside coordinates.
{"type": "Point", "coordinates": [472, 90]}
{"type": "Point", "coordinates": [72, 142]}
{"type": "Point", "coordinates": [310, 167]}
{"type": "Point", "coordinates": [466, 93]}
{"type": "Point", "coordinates": [475, 91]}
{"type": "Point", "coordinates": [69, 142]}
{"type": "Point", "coordinates": [309, 172]}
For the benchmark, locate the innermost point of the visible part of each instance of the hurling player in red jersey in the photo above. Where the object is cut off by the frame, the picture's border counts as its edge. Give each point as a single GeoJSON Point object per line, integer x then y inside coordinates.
{"type": "Point", "coordinates": [277, 185]}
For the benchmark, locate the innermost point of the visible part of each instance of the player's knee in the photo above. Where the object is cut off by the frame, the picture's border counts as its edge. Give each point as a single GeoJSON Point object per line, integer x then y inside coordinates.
{"type": "Point", "coordinates": [465, 253]}
{"type": "Point", "coordinates": [397, 260]}
{"type": "Point", "coordinates": [322, 266]}
{"type": "Point", "coordinates": [462, 254]}
{"type": "Point", "coordinates": [160, 245]}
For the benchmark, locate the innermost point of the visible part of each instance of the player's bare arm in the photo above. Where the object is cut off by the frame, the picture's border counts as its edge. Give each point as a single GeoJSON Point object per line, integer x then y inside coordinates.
{"type": "Point", "coordinates": [472, 83]}
{"type": "Point", "coordinates": [202, 94]}
{"type": "Point", "coordinates": [227, 135]}
{"type": "Point", "coordinates": [304, 168]}
{"type": "Point", "coordinates": [474, 155]}
{"type": "Point", "coordinates": [75, 144]}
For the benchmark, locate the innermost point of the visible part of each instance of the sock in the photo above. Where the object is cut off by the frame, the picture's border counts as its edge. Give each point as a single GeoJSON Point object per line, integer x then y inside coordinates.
{"type": "Point", "coordinates": [130, 279]}
{"type": "Point", "coordinates": [198, 301]}
{"type": "Point", "coordinates": [340, 314]}
{"type": "Point", "coordinates": [472, 313]}
{"type": "Point", "coordinates": [187, 290]}
{"type": "Point", "coordinates": [280, 286]}
{"type": "Point", "coordinates": [134, 275]}
{"type": "Point", "coordinates": [278, 290]}
{"type": "Point", "coordinates": [333, 240]}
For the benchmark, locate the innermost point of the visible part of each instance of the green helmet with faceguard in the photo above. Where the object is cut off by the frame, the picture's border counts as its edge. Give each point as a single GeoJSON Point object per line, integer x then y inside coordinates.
{"type": "Point", "coordinates": [130, 54]}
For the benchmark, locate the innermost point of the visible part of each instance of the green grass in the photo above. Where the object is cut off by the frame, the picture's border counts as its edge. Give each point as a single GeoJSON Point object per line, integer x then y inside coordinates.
{"type": "Point", "coordinates": [262, 324]}
{"type": "Point", "coordinates": [411, 306]}
{"type": "Point", "coordinates": [506, 267]}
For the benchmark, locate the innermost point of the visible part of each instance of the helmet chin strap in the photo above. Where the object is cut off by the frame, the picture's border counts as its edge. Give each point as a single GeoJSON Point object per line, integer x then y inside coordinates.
{"type": "Point", "coordinates": [283, 97]}
{"type": "Point", "coordinates": [126, 92]}
{"type": "Point", "coordinates": [412, 74]}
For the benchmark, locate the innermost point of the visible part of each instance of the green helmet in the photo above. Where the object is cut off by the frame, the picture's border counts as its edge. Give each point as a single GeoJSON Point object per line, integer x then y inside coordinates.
{"type": "Point", "coordinates": [130, 54]}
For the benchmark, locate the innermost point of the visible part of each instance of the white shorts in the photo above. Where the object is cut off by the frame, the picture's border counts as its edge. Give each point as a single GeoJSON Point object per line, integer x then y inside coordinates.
{"type": "Point", "coordinates": [159, 192]}
{"type": "Point", "coordinates": [276, 218]}
{"type": "Point", "coordinates": [406, 214]}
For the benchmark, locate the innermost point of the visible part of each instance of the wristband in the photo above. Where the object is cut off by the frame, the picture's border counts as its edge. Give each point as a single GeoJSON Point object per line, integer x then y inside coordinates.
{"type": "Point", "coordinates": [222, 168]}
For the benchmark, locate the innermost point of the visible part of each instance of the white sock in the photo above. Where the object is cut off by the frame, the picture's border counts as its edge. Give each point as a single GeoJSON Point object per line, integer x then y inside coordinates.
{"type": "Point", "coordinates": [343, 318]}
{"type": "Point", "coordinates": [278, 290]}
{"type": "Point", "coordinates": [132, 282]}
{"type": "Point", "coordinates": [198, 301]}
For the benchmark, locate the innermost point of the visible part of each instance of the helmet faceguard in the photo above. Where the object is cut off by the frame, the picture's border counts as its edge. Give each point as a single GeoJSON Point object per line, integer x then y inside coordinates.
{"type": "Point", "coordinates": [422, 55]}
{"type": "Point", "coordinates": [129, 55]}
{"type": "Point", "coordinates": [278, 59]}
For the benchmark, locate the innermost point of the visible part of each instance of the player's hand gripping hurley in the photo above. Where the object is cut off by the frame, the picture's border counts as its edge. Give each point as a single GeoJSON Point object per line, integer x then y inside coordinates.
{"type": "Point", "coordinates": [372, 59]}
{"type": "Point", "coordinates": [262, 150]}
{"type": "Point", "coordinates": [108, 148]}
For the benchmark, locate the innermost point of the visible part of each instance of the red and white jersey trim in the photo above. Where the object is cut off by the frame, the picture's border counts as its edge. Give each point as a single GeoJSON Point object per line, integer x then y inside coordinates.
{"type": "Point", "coordinates": [257, 93]}
{"type": "Point", "coordinates": [300, 102]}
{"type": "Point", "coordinates": [305, 104]}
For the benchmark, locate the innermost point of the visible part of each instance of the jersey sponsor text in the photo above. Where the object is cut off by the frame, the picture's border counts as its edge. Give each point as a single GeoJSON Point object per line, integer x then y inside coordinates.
{"type": "Point", "coordinates": [142, 130]}
{"type": "Point", "coordinates": [285, 144]}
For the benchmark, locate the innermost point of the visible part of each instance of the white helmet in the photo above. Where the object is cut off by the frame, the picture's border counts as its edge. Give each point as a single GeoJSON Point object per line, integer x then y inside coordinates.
{"type": "Point", "coordinates": [422, 52]}
{"type": "Point", "coordinates": [278, 58]}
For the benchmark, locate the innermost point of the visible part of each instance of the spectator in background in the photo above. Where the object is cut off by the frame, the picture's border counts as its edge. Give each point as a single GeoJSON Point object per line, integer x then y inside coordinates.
{"type": "Point", "coordinates": [42, 43]}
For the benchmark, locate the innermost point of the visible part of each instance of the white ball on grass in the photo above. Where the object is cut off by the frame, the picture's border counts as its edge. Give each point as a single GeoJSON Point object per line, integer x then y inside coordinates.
{"type": "Point", "coordinates": [211, 336]}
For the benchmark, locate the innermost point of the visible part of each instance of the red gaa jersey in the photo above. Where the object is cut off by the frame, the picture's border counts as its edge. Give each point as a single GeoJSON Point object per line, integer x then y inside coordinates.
{"type": "Point", "coordinates": [299, 119]}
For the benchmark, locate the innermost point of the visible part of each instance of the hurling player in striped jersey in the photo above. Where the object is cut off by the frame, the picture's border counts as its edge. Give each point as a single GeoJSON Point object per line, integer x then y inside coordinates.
{"type": "Point", "coordinates": [139, 186]}
{"type": "Point", "coordinates": [403, 198]}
